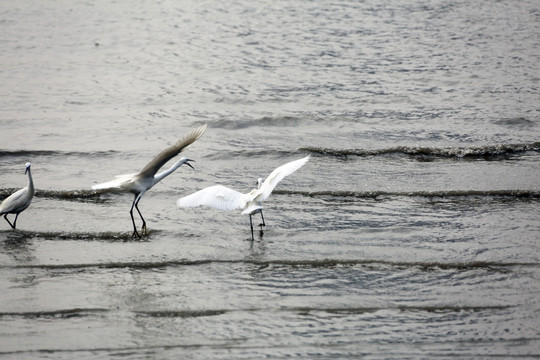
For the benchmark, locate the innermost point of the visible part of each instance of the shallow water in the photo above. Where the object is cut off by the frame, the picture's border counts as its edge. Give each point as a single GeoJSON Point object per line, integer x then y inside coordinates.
{"type": "Point", "coordinates": [411, 233]}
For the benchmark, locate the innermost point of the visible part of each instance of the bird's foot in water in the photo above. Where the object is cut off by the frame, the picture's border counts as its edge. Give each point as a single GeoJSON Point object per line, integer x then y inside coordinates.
{"type": "Point", "coordinates": [135, 235]}
{"type": "Point", "coordinates": [143, 230]}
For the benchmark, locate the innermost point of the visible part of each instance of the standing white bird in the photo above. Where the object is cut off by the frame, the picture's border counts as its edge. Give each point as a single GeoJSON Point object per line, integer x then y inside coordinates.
{"type": "Point", "coordinates": [142, 181]}
{"type": "Point", "coordinates": [19, 200]}
{"type": "Point", "coordinates": [223, 198]}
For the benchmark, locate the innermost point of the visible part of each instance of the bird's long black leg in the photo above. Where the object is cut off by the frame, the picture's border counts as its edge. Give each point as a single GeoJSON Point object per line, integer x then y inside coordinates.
{"type": "Point", "coordinates": [262, 217]}
{"type": "Point", "coordinates": [143, 221]}
{"type": "Point", "coordinates": [133, 220]}
{"type": "Point", "coordinates": [15, 221]}
{"type": "Point", "coordinates": [9, 222]}
{"type": "Point", "coordinates": [251, 224]}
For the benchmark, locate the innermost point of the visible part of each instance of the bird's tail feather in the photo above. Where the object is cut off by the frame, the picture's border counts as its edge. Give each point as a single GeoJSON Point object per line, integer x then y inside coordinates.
{"type": "Point", "coordinates": [113, 184]}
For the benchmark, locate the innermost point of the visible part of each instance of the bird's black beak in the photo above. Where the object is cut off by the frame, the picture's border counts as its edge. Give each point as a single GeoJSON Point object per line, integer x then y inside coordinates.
{"type": "Point", "coordinates": [188, 164]}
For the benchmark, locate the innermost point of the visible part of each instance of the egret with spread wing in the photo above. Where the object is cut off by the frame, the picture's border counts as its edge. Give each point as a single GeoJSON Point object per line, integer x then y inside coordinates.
{"type": "Point", "coordinates": [19, 200]}
{"type": "Point", "coordinates": [223, 198]}
{"type": "Point", "coordinates": [142, 181]}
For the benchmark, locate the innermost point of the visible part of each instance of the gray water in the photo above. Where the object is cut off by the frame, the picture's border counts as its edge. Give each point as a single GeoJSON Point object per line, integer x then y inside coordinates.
{"type": "Point", "coordinates": [412, 232]}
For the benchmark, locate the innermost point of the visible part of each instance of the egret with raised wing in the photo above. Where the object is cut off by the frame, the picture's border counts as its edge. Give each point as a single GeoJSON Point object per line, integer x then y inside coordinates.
{"type": "Point", "coordinates": [142, 181]}
{"type": "Point", "coordinates": [19, 200]}
{"type": "Point", "coordinates": [223, 198]}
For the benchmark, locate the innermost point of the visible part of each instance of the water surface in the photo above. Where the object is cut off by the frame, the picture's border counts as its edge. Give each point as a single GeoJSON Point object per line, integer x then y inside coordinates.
{"type": "Point", "coordinates": [410, 234]}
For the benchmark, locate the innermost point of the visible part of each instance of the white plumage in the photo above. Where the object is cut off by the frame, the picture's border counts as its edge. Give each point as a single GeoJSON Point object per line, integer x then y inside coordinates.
{"type": "Point", "coordinates": [19, 200]}
{"type": "Point", "coordinates": [223, 198]}
{"type": "Point", "coordinates": [145, 179]}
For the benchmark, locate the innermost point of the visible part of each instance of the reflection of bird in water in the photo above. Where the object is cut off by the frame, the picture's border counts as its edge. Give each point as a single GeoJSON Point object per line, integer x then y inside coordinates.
{"type": "Point", "coordinates": [223, 198]}
{"type": "Point", "coordinates": [19, 200]}
{"type": "Point", "coordinates": [142, 181]}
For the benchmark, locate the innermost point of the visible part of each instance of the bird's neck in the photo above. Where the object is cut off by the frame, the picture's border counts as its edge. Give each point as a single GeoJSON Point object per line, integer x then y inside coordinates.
{"type": "Point", "coordinates": [30, 182]}
{"type": "Point", "coordinates": [163, 174]}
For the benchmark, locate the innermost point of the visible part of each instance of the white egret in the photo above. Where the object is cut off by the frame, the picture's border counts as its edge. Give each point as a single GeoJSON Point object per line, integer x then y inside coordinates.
{"type": "Point", "coordinates": [223, 198]}
{"type": "Point", "coordinates": [19, 200]}
{"type": "Point", "coordinates": [142, 181]}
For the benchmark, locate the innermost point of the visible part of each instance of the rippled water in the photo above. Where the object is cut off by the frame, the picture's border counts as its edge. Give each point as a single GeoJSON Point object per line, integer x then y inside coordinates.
{"type": "Point", "coordinates": [411, 233]}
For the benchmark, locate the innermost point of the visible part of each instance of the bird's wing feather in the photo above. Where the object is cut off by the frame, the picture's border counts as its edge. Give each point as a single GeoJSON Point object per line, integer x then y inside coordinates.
{"type": "Point", "coordinates": [277, 175]}
{"type": "Point", "coordinates": [117, 183]}
{"type": "Point", "coordinates": [14, 201]}
{"type": "Point", "coordinates": [153, 166]}
{"type": "Point", "coordinates": [217, 196]}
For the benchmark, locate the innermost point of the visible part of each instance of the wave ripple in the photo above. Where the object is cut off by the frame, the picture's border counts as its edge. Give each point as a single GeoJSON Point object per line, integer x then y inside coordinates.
{"type": "Point", "coordinates": [472, 152]}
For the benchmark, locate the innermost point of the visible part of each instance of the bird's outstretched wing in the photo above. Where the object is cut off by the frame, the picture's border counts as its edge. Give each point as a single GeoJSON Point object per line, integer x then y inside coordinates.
{"type": "Point", "coordinates": [277, 175]}
{"type": "Point", "coordinates": [217, 196]}
{"type": "Point", "coordinates": [153, 166]}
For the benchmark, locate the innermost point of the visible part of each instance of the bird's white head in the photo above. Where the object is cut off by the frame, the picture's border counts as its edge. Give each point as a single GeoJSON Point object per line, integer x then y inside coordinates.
{"type": "Point", "coordinates": [161, 175]}
{"type": "Point", "coordinates": [183, 161]}
{"type": "Point", "coordinates": [27, 167]}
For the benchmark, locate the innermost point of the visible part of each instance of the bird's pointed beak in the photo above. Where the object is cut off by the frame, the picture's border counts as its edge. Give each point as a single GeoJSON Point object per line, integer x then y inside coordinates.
{"type": "Point", "coordinates": [188, 164]}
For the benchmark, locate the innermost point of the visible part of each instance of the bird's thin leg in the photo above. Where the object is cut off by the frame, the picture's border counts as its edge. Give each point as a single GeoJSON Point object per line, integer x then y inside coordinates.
{"type": "Point", "coordinates": [251, 224]}
{"type": "Point", "coordinates": [15, 221]}
{"type": "Point", "coordinates": [133, 220]}
{"type": "Point", "coordinates": [9, 222]}
{"type": "Point", "coordinates": [143, 221]}
{"type": "Point", "coordinates": [262, 217]}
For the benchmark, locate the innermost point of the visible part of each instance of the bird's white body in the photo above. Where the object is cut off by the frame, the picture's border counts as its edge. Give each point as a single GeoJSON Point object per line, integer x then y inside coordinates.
{"type": "Point", "coordinates": [136, 183]}
{"type": "Point", "coordinates": [19, 200]}
{"type": "Point", "coordinates": [144, 180]}
{"type": "Point", "coordinates": [223, 198]}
